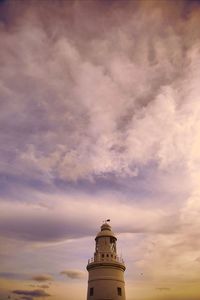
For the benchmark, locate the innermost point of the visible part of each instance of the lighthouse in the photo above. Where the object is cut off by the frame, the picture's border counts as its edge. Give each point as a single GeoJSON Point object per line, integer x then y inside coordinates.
{"type": "Point", "coordinates": [106, 268]}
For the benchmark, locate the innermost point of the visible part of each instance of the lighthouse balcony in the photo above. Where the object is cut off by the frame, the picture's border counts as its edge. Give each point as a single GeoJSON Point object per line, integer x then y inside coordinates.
{"type": "Point", "coordinates": [98, 259]}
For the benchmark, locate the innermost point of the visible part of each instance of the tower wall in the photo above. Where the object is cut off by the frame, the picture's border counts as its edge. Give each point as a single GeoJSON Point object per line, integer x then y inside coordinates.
{"type": "Point", "coordinates": [107, 282]}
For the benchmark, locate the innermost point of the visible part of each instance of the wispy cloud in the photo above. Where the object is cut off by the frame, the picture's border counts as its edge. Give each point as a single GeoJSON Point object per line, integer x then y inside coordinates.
{"type": "Point", "coordinates": [136, 93]}
{"type": "Point", "coordinates": [73, 274]}
{"type": "Point", "coordinates": [32, 293]}
{"type": "Point", "coordinates": [26, 298]}
{"type": "Point", "coordinates": [44, 286]}
{"type": "Point", "coordinates": [42, 277]}
{"type": "Point", "coordinates": [70, 220]}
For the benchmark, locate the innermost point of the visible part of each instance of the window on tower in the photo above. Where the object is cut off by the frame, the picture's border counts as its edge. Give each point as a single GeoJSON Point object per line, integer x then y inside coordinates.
{"type": "Point", "coordinates": [119, 291]}
{"type": "Point", "coordinates": [91, 291]}
{"type": "Point", "coordinates": [112, 244]}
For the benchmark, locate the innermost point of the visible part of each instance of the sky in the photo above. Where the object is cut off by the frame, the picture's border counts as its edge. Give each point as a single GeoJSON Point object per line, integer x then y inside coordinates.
{"type": "Point", "coordinates": [99, 118]}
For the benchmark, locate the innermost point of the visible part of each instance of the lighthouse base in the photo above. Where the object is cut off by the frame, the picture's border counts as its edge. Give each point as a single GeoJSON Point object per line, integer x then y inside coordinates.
{"type": "Point", "coordinates": [106, 283]}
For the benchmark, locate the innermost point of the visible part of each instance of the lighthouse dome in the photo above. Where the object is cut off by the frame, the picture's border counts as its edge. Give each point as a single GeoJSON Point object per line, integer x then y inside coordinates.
{"type": "Point", "coordinates": [106, 231]}
{"type": "Point", "coordinates": [105, 226]}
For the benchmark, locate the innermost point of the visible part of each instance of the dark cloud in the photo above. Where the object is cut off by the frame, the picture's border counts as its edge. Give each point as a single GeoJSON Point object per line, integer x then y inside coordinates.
{"type": "Point", "coordinates": [42, 229]}
{"type": "Point", "coordinates": [26, 298]}
{"type": "Point", "coordinates": [33, 293]}
{"type": "Point", "coordinates": [42, 277]}
{"type": "Point", "coordinates": [73, 274]}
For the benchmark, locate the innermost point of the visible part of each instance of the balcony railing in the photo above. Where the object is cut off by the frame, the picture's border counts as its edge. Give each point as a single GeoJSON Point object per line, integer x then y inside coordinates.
{"type": "Point", "coordinates": [106, 259]}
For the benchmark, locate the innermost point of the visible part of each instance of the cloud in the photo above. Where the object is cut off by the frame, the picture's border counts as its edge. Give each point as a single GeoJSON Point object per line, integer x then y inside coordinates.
{"type": "Point", "coordinates": [73, 274]}
{"type": "Point", "coordinates": [32, 293]}
{"type": "Point", "coordinates": [32, 222]}
{"type": "Point", "coordinates": [44, 286]}
{"type": "Point", "coordinates": [88, 131]}
{"type": "Point", "coordinates": [42, 277]}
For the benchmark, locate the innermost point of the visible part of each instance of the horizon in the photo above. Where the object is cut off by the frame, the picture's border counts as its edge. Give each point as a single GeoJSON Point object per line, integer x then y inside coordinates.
{"type": "Point", "coordinates": [99, 118]}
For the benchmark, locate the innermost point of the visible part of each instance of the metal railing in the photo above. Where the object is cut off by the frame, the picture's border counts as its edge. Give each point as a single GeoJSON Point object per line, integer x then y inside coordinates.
{"type": "Point", "coordinates": [106, 259]}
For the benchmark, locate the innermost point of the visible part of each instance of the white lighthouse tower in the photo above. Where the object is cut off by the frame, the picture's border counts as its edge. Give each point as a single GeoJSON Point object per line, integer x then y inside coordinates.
{"type": "Point", "coordinates": [106, 269]}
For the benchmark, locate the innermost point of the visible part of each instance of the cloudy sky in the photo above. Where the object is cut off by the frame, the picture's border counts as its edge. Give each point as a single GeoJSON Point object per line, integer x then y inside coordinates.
{"type": "Point", "coordinates": [99, 118]}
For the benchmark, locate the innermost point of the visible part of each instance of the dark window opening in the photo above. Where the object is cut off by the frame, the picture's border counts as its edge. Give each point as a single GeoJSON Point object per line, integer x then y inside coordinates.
{"type": "Point", "coordinates": [119, 291]}
{"type": "Point", "coordinates": [91, 291]}
{"type": "Point", "coordinates": [107, 255]}
{"type": "Point", "coordinates": [102, 255]}
{"type": "Point", "coordinates": [112, 240]}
